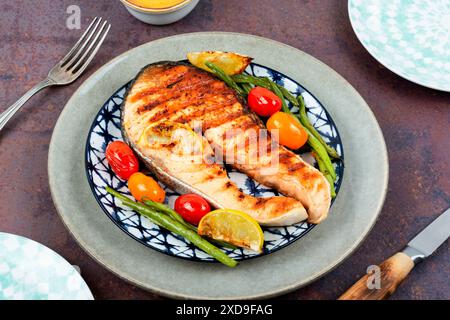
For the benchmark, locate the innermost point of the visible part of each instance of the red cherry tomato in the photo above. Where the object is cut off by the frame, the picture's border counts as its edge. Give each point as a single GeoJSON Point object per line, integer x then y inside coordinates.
{"type": "Point", "coordinates": [192, 207]}
{"type": "Point", "coordinates": [263, 101]}
{"type": "Point", "coordinates": [122, 159]}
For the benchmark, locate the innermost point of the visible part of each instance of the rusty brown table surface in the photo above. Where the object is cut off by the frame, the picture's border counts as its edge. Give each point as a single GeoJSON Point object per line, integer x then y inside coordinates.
{"type": "Point", "coordinates": [415, 122]}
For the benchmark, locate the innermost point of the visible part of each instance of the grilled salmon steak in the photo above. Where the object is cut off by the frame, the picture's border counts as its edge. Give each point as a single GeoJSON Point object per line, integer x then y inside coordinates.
{"type": "Point", "coordinates": [182, 121]}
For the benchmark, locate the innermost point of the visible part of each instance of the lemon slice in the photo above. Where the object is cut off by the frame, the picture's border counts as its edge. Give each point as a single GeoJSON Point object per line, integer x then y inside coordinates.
{"type": "Point", "coordinates": [149, 137]}
{"type": "Point", "coordinates": [157, 134]}
{"type": "Point", "coordinates": [179, 138]}
{"type": "Point", "coordinates": [231, 63]}
{"type": "Point", "coordinates": [232, 226]}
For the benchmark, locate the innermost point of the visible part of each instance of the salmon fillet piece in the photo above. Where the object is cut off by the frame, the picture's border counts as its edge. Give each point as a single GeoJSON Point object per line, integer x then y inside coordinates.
{"type": "Point", "coordinates": [277, 167]}
{"type": "Point", "coordinates": [204, 113]}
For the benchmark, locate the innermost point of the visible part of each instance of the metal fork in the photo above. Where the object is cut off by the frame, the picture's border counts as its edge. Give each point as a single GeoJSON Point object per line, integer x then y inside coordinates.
{"type": "Point", "coordinates": [69, 68]}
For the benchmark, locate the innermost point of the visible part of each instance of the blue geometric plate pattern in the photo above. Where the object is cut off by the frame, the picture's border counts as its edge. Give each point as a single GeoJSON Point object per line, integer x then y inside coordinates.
{"type": "Point", "coordinates": [106, 128]}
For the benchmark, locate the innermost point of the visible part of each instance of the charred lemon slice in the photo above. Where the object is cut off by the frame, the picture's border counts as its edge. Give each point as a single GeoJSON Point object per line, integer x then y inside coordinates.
{"type": "Point", "coordinates": [153, 135]}
{"type": "Point", "coordinates": [180, 138]}
{"type": "Point", "coordinates": [231, 63]}
{"type": "Point", "coordinates": [234, 227]}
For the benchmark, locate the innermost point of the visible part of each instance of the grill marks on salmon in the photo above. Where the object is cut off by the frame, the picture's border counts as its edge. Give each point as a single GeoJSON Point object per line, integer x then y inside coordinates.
{"type": "Point", "coordinates": [209, 179]}
{"type": "Point", "coordinates": [272, 166]}
{"type": "Point", "coordinates": [178, 93]}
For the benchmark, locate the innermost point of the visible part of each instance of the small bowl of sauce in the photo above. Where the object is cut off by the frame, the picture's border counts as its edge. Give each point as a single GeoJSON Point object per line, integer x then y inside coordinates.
{"type": "Point", "coordinates": [159, 12]}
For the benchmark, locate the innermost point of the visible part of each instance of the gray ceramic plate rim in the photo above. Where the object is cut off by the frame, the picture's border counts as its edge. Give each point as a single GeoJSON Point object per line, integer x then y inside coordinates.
{"type": "Point", "coordinates": [352, 217]}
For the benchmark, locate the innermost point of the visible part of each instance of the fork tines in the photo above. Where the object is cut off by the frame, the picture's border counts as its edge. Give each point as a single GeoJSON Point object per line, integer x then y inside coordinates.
{"type": "Point", "coordinates": [85, 49]}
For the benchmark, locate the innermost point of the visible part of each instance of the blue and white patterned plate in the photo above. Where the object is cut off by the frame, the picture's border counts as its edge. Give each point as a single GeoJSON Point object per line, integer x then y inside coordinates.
{"type": "Point", "coordinates": [410, 37]}
{"type": "Point", "coordinates": [106, 128]}
{"type": "Point", "coordinates": [31, 271]}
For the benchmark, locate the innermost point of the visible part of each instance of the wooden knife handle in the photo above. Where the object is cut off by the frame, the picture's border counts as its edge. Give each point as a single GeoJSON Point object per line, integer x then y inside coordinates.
{"type": "Point", "coordinates": [391, 273]}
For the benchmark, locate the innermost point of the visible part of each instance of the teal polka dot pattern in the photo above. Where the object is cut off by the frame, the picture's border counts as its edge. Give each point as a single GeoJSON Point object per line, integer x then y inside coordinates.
{"type": "Point", "coordinates": [410, 37]}
{"type": "Point", "coordinates": [31, 271]}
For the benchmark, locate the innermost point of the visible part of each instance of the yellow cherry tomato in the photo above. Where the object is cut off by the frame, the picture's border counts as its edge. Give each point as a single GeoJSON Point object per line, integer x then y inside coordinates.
{"type": "Point", "coordinates": [144, 188]}
{"type": "Point", "coordinates": [290, 132]}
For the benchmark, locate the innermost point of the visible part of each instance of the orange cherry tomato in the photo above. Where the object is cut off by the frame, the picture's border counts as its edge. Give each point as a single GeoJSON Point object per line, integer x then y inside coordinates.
{"type": "Point", "coordinates": [144, 188]}
{"type": "Point", "coordinates": [291, 133]}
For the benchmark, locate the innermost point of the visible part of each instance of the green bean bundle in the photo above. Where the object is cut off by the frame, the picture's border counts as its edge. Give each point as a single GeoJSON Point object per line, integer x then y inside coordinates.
{"type": "Point", "coordinates": [176, 227]}
{"type": "Point", "coordinates": [224, 77]}
{"type": "Point", "coordinates": [282, 92]}
{"type": "Point", "coordinates": [176, 216]}
{"type": "Point", "coordinates": [322, 150]}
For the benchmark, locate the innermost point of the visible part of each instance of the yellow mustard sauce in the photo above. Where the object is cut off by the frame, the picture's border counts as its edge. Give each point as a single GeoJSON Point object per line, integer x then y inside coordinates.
{"type": "Point", "coordinates": [155, 4]}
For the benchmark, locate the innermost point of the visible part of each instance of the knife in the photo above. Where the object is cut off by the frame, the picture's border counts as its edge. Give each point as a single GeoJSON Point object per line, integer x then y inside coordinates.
{"type": "Point", "coordinates": [395, 269]}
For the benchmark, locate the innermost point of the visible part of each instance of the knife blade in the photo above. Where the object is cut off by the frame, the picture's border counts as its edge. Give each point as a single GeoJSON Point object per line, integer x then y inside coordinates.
{"type": "Point", "coordinates": [430, 238]}
{"type": "Point", "coordinates": [395, 269]}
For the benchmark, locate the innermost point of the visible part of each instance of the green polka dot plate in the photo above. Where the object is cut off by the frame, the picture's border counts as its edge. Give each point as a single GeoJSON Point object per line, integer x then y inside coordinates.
{"type": "Point", "coordinates": [409, 37]}
{"type": "Point", "coordinates": [31, 271]}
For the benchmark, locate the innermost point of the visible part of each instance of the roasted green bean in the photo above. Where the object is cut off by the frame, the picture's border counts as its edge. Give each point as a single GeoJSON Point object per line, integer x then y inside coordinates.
{"type": "Point", "coordinates": [305, 121]}
{"type": "Point", "coordinates": [265, 83]}
{"type": "Point", "coordinates": [246, 87]}
{"type": "Point", "coordinates": [277, 91]}
{"type": "Point", "coordinates": [224, 77]}
{"type": "Point", "coordinates": [176, 216]}
{"type": "Point", "coordinates": [176, 227]}
{"type": "Point", "coordinates": [288, 95]}
{"type": "Point", "coordinates": [315, 140]}
{"type": "Point", "coordinates": [327, 175]}
{"type": "Point", "coordinates": [245, 78]}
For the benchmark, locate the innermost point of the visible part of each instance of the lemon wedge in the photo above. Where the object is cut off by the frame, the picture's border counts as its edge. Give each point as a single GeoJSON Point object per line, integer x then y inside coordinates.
{"type": "Point", "coordinates": [234, 227]}
{"type": "Point", "coordinates": [231, 63]}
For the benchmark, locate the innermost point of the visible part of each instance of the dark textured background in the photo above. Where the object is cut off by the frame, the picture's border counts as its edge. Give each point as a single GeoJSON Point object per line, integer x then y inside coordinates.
{"type": "Point", "coordinates": [415, 122]}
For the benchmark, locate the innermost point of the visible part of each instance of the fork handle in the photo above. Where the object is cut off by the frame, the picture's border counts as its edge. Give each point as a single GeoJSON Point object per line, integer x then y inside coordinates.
{"type": "Point", "coordinates": [9, 113]}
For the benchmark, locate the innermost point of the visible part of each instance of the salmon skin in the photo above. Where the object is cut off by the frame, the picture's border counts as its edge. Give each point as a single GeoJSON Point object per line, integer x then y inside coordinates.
{"type": "Point", "coordinates": [180, 120]}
